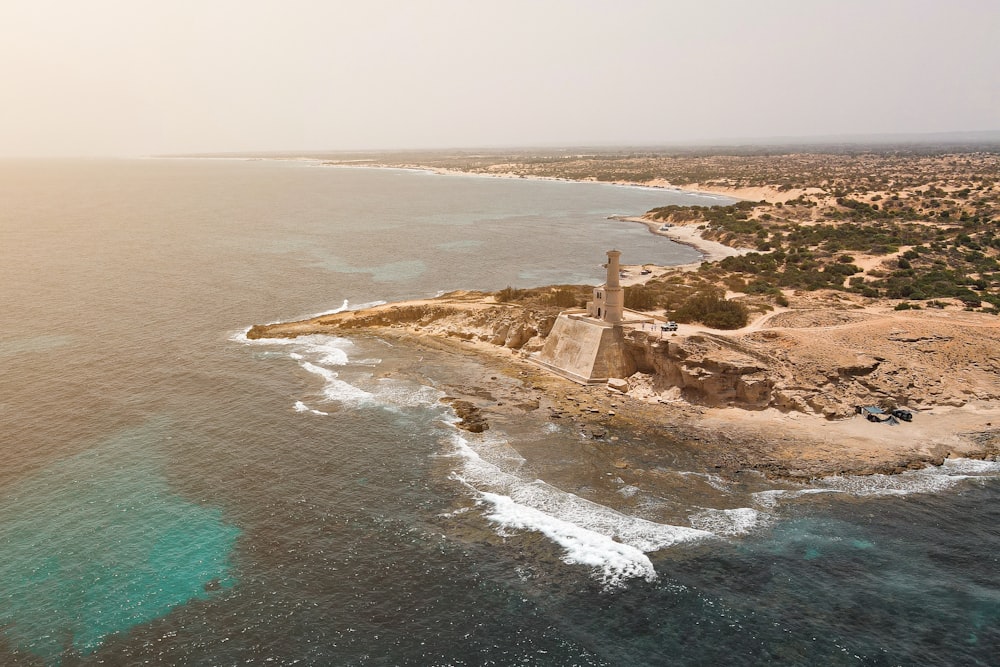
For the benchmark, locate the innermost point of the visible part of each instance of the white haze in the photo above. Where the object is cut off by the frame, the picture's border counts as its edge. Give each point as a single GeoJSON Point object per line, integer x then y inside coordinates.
{"type": "Point", "coordinates": [134, 77]}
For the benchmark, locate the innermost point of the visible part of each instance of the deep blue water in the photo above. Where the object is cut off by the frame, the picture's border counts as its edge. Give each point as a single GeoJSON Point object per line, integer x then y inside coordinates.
{"type": "Point", "coordinates": [173, 494]}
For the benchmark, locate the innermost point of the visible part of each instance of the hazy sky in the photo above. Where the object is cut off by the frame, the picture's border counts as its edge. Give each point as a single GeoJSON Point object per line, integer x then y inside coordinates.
{"type": "Point", "coordinates": [134, 77]}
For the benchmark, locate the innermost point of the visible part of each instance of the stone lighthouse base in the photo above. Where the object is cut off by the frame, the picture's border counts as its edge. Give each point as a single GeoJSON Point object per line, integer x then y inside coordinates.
{"type": "Point", "coordinates": [585, 350]}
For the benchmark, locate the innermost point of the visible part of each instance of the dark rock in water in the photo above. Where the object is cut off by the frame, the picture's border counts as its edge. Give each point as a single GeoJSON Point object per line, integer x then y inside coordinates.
{"type": "Point", "coordinates": [470, 416]}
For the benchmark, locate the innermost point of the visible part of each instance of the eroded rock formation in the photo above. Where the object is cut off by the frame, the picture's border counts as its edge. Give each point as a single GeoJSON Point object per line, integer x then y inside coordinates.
{"type": "Point", "coordinates": [803, 362]}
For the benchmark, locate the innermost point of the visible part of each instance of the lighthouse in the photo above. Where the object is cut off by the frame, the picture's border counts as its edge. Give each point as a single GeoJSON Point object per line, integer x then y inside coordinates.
{"type": "Point", "coordinates": [589, 346]}
{"type": "Point", "coordinates": [609, 299]}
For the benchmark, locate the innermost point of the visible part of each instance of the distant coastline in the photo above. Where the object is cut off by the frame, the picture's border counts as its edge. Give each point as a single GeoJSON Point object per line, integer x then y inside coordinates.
{"type": "Point", "coordinates": [776, 395]}
{"type": "Point", "coordinates": [690, 236]}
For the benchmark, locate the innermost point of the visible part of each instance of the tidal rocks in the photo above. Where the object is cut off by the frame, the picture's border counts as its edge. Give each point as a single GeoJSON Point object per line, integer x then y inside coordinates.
{"type": "Point", "coordinates": [470, 416]}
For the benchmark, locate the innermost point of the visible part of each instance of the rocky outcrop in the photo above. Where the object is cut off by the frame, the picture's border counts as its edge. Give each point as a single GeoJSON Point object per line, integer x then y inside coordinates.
{"type": "Point", "coordinates": [825, 373]}
{"type": "Point", "coordinates": [703, 370]}
{"type": "Point", "coordinates": [470, 417]}
{"type": "Point", "coordinates": [504, 325]}
{"type": "Point", "coordinates": [843, 359]}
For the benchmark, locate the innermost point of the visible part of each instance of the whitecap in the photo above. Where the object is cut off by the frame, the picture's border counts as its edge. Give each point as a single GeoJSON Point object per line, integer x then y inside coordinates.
{"type": "Point", "coordinates": [323, 349]}
{"type": "Point", "coordinates": [972, 466]}
{"type": "Point", "coordinates": [241, 336]}
{"type": "Point", "coordinates": [615, 561]}
{"type": "Point", "coordinates": [404, 394]}
{"type": "Point", "coordinates": [731, 522]}
{"type": "Point", "coordinates": [334, 357]}
{"type": "Point", "coordinates": [590, 534]}
{"type": "Point", "coordinates": [932, 479]}
{"type": "Point", "coordinates": [302, 407]}
{"type": "Point", "coordinates": [344, 307]}
{"type": "Point", "coordinates": [770, 498]}
{"type": "Point", "coordinates": [336, 389]}
{"type": "Point", "coordinates": [891, 485]}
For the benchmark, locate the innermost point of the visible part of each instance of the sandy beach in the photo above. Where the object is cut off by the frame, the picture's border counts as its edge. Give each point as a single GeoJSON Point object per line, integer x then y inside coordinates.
{"type": "Point", "coordinates": [689, 235]}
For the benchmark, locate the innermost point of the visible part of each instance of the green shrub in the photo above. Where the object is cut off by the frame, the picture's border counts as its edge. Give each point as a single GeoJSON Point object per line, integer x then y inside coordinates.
{"type": "Point", "coordinates": [640, 297]}
{"type": "Point", "coordinates": [712, 309]}
{"type": "Point", "coordinates": [508, 294]}
{"type": "Point", "coordinates": [564, 297]}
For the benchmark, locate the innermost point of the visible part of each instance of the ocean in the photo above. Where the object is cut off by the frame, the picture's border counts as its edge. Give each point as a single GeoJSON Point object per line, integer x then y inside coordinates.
{"type": "Point", "coordinates": [174, 494]}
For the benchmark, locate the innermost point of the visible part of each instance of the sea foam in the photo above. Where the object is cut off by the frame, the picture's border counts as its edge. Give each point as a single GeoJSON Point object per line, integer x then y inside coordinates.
{"type": "Point", "coordinates": [590, 534]}
{"type": "Point", "coordinates": [302, 407]}
{"type": "Point", "coordinates": [336, 389]}
{"type": "Point", "coordinates": [729, 522]}
{"type": "Point", "coordinates": [614, 561]}
{"type": "Point", "coordinates": [932, 479]}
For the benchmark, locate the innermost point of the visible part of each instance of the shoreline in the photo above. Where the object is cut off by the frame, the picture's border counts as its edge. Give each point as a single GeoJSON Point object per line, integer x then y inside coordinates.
{"type": "Point", "coordinates": [787, 443]}
{"type": "Point", "coordinates": [755, 193]}
{"type": "Point", "coordinates": [702, 190]}
{"type": "Point", "coordinates": [687, 235]}
{"type": "Point", "coordinates": [786, 446]}
{"type": "Point", "coordinates": [731, 440]}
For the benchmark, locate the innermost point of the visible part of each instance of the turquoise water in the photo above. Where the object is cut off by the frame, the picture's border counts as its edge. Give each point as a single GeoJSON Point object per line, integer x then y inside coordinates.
{"type": "Point", "coordinates": [173, 494]}
{"type": "Point", "coordinates": [97, 543]}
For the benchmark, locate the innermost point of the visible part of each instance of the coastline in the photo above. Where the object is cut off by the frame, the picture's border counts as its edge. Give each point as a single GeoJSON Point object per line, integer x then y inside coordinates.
{"type": "Point", "coordinates": [691, 236]}
{"type": "Point", "coordinates": [788, 445]}
{"type": "Point", "coordinates": [756, 193]}
{"type": "Point", "coordinates": [688, 235]}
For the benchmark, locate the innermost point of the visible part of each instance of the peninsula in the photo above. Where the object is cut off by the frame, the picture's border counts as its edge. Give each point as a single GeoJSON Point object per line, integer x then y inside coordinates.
{"type": "Point", "coordinates": [850, 278]}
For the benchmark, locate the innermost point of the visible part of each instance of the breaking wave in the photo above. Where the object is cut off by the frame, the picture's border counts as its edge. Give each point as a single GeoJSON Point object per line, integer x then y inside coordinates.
{"type": "Point", "coordinates": [932, 479]}
{"type": "Point", "coordinates": [613, 544]}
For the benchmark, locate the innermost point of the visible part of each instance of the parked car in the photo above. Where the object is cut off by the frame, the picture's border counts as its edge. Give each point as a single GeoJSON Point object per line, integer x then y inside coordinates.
{"type": "Point", "coordinates": [871, 413]}
{"type": "Point", "coordinates": [900, 413]}
{"type": "Point", "coordinates": [669, 326]}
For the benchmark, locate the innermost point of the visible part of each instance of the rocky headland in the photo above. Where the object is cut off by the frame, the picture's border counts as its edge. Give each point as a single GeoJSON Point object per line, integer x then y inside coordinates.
{"type": "Point", "coordinates": [847, 276]}
{"type": "Point", "coordinates": [777, 396]}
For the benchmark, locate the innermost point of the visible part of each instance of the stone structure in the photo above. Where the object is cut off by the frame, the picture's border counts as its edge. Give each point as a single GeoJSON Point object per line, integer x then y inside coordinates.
{"type": "Point", "coordinates": [609, 299]}
{"type": "Point", "coordinates": [589, 346]}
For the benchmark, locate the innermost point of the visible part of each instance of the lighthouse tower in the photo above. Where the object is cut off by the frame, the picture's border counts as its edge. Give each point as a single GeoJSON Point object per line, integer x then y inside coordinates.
{"type": "Point", "coordinates": [609, 299]}
{"type": "Point", "coordinates": [614, 295]}
{"type": "Point", "coordinates": [590, 347]}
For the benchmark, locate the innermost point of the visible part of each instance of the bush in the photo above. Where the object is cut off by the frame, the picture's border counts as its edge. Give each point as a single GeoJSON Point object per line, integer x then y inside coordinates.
{"type": "Point", "coordinates": [564, 298]}
{"type": "Point", "coordinates": [713, 310]}
{"type": "Point", "coordinates": [640, 297]}
{"type": "Point", "coordinates": [508, 294]}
